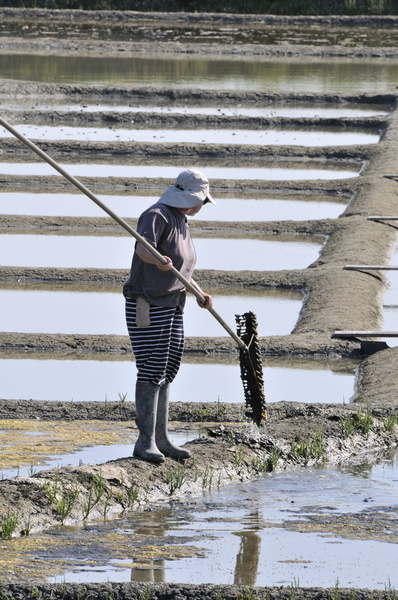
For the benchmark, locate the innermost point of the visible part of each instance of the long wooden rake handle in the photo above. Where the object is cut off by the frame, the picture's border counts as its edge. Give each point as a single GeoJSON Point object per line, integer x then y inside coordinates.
{"type": "Point", "coordinates": [124, 224]}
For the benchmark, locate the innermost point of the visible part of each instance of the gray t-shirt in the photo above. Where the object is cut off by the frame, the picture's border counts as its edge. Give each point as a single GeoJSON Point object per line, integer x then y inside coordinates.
{"type": "Point", "coordinates": [167, 229]}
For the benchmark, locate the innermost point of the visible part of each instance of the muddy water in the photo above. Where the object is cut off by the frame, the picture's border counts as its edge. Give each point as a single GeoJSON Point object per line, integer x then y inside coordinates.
{"type": "Point", "coordinates": [36, 311]}
{"type": "Point", "coordinates": [291, 75]}
{"type": "Point", "coordinates": [264, 137]}
{"type": "Point", "coordinates": [228, 173]}
{"type": "Point", "coordinates": [228, 209]}
{"type": "Point", "coordinates": [271, 531]}
{"type": "Point", "coordinates": [116, 252]}
{"type": "Point", "coordinates": [328, 382]}
{"type": "Point", "coordinates": [277, 110]}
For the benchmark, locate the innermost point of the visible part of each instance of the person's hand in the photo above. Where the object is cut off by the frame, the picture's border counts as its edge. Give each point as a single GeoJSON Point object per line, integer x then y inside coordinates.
{"type": "Point", "coordinates": [208, 303]}
{"type": "Point", "coordinates": [166, 266]}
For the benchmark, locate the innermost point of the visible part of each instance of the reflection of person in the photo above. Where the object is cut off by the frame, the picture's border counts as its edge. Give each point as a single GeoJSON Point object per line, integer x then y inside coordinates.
{"type": "Point", "coordinates": [155, 300]}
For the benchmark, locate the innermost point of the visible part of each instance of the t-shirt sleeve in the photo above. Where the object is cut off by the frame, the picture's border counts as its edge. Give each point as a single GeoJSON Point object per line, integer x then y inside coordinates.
{"type": "Point", "coordinates": [151, 226]}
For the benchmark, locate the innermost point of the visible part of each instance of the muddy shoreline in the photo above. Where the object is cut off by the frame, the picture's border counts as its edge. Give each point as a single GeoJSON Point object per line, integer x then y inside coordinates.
{"type": "Point", "coordinates": [334, 298]}
{"type": "Point", "coordinates": [128, 21]}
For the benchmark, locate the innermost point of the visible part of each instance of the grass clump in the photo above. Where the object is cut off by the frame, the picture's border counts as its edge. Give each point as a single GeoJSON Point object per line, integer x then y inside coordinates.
{"type": "Point", "coordinates": [309, 449]}
{"type": "Point", "coordinates": [390, 423]}
{"type": "Point", "coordinates": [269, 464]}
{"type": "Point", "coordinates": [61, 497]}
{"type": "Point", "coordinates": [359, 422]}
{"type": "Point", "coordinates": [8, 525]}
{"type": "Point", "coordinates": [175, 478]}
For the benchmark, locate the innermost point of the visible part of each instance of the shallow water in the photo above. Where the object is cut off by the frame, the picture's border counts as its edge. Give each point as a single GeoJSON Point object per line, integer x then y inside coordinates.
{"type": "Point", "coordinates": [99, 380]}
{"type": "Point", "coordinates": [116, 252]}
{"type": "Point", "coordinates": [94, 455]}
{"type": "Point", "coordinates": [228, 209]}
{"type": "Point", "coordinates": [285, 75]}
{"type": "Point", "coordinates": [390, 302]}
{"type": "Point", "coordinates": [278, 137]}
{"type": "Point", "coordinates": [229, 173]}
{"type": "Point", "coordinates": [271, 110]}
{"type": "Point", "coordinates": [262, 534]}
{"type": "Point", "coordinates": [40, 311]}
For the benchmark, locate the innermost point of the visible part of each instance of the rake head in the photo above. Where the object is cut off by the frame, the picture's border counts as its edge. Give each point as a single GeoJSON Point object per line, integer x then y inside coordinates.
{"type": "Point", "coordinates": [251, 369]}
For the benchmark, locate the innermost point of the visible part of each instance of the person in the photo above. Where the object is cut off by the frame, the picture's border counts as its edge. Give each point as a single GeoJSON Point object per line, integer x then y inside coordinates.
{"type": "Point", "coordinates": [155, 300]}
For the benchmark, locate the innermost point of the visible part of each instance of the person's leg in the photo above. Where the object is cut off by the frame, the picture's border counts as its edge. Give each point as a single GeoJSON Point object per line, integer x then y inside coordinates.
{"type": "Point", "coordinates": [151, 349]}
{"type": "Point", "coordinates": [176, 349]}
{"type": "Point", "coordinates": [151, 345]}
{"type": "Point", "coordinates": [163, 441]}
{"type": "Point", "coordinates": [146, 403]}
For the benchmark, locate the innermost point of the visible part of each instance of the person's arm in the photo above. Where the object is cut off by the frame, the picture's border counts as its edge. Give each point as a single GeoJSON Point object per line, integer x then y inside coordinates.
{"type": "Point", "coordinates": [146, 256]}
{"type": "Point", "coordinates": [208, 299]}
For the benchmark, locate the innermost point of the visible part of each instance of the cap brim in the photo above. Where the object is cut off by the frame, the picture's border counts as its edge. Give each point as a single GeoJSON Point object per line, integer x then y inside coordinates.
{"type": "Point", "coordinates": [180, 198]}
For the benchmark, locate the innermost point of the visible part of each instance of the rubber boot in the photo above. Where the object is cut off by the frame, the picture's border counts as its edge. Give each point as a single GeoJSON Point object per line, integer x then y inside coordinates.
{"type": "Point", "coordinates": [162, 439]}
{"type": "Point", "coordinates": [146, 401]}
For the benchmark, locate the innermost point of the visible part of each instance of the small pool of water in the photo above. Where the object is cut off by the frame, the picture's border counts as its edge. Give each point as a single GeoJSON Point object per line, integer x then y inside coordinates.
{"type": "Point", "coordinates": [390, 323]}
{"type": "Point", "coordinates": [261, 533]}
{"type": "Point", "coordinates": [116, 252]}
{"type": "Point", "coordinates": [99, 380]}
{"type": "Point", "coordinates": [94, 455]}
{"type": "Point", "coordinates": [271, 110]}
{"type": "Point", "coordinates": [283, 75]}
{"type": "Point", "coordinates": [390, 301]}
{"type": "Point", "coordinates": [263, 137]}
{"type": "Point", "coordinates": [102, 313]}
{"type": "Point", "coordinates": [230, 173]}
{"type": "Point", "coordinates": [258, 208]}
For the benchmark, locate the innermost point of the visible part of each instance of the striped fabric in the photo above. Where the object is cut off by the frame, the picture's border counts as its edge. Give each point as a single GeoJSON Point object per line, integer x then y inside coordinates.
{"type": "Point", "coordinates": [158, 348]}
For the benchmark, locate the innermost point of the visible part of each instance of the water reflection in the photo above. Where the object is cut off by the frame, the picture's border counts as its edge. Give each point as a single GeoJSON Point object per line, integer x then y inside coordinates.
{"type": "Point", "coordinates": [247, 558]}
{"type": "Point", "coordinates": [289, 75]}
{"type": "Point", "coordinates": [262, 534]}
{"type": "Point", "coordinates": [258, 208]}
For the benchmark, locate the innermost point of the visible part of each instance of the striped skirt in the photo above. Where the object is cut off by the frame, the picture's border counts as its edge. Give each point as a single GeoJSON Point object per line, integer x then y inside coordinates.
{"type": "Point", "coordinates": [157, 348]}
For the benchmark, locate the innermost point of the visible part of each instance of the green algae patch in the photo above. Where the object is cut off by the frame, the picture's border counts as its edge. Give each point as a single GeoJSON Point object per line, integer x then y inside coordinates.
{"type": "Point", "coordinates": [376, 524]}
{"type": "Point", "coordinates": [51, 554]}
{"type": "Point", "coordinates": [28, 442]}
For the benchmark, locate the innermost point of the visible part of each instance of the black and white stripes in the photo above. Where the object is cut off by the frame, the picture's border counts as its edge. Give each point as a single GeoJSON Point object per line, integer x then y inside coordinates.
{"type": "Point", "coordinates": [157, 348]}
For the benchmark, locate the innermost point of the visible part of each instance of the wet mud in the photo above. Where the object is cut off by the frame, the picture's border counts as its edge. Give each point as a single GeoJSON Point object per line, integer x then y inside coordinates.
{"type": "Point", "coordinates": [335, 299]}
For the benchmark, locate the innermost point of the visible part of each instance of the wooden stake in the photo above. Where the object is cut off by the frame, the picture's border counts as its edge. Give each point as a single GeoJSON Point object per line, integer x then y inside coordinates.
{"type": "Point", "coordinates": [356, 334]}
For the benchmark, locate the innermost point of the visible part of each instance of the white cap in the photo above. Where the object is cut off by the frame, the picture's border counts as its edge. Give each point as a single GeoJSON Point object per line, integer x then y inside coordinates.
{"type": "Point", "coordinates": [190, 189]}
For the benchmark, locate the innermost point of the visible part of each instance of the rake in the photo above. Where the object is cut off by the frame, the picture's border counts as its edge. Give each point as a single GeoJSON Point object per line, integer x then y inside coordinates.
{"type": "Point", "coordinates": [247, 338]}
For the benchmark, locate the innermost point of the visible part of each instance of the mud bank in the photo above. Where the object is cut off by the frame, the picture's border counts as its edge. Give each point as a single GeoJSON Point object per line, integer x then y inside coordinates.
{"type": "Point", "coordinates": [160, 96]}
{"type": "Point", "coordinates": [228, 34]}
{"type": "Point", "coordinates": [156, 591]}
{"type": "Point", "coordinates": [297, 436]}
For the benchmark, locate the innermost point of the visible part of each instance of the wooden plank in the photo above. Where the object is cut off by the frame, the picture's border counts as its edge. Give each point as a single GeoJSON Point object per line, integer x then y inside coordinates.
{"type": "Point", "coordinates": [376, 218]}
{"type": "Point", "coordinates": [370, 268]}
{"type": "Point", "coordinates": [356, 334]}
